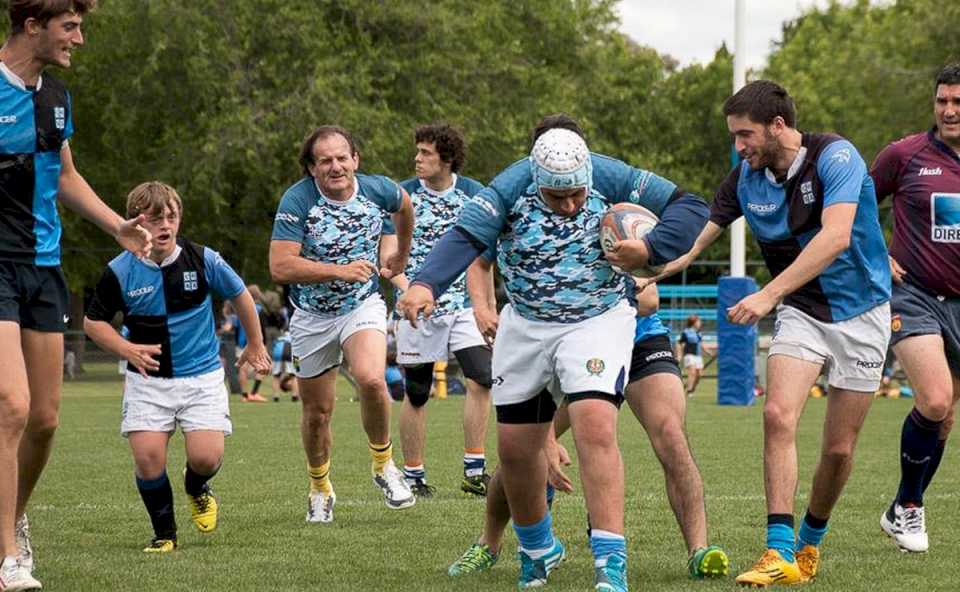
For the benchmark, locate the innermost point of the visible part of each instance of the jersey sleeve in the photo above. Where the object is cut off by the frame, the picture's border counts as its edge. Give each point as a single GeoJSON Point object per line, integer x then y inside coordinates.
{"type": "Point", "coordinates": [290, 221]}
{"type": "Point", "coordinates": [726, 204]}
{"type": "Point", "coordinates": [384, 192]}
{"type": "Point", "coordinates": [620, 182]}
{"type": "Point", "coordinates": [222, 279]}
{"type": "Point", "coordinates": [484, 216]}
{"type": "Point", "coordinates": [107, 298]}
{"type": "Point", "coordinates": [886, 170]}
{"type": "Point", "coordinates": [842, 170]}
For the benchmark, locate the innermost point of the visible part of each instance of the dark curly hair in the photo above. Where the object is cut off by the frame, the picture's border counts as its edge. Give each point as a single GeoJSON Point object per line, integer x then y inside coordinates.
{"type": "Point", "coordinates": [448, 142]}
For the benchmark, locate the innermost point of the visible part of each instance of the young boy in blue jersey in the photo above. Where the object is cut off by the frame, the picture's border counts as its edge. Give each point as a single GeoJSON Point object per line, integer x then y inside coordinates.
{"type": "Point", "coordinates": [174, 375]}
{"type": "Point", "coordinates": [38, 172]}
{"type": "Point", "coordinates": [568, 330]}
{"type": "Point", "coordinates": [812, 207]}
{"type": "Point", "coordinates": [325, 242]}
{"type": "Point", "coordinates": [690, 349]}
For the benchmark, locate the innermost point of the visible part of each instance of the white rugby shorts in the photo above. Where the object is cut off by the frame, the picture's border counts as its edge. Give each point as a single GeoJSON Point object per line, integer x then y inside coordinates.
{"type": "Point", "coordinates": [436, 338]}
{"type": "Point", "coordinates": [852, 351]}
{"type": "Point", "coordinates": [566, 358]}
{"type": "Point", "coordinates": [316, 342]}
{"type": "Point", "coordinates": [693, 360]}
{"type": "Point", "coordinates": [152, 404]}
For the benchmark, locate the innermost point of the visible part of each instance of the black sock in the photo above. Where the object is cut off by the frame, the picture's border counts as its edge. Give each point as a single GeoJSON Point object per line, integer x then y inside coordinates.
{"type": "Point", "coordinates": [194, 483]}
{"type": "Point", "coordinates": [158, 498]}
{"type": "Point", "coordinates": [918, 442]}
{"type": "Point", "coordinates": [256, 386]}
{"type": "Point", "coordinates": [934, 463]}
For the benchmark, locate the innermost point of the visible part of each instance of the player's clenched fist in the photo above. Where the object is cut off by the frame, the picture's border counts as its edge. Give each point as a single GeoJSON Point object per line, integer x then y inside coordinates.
{"type": "Point", "coordinates": [416, 300]}
{"type": "Point", "coordinates": [357, 271]}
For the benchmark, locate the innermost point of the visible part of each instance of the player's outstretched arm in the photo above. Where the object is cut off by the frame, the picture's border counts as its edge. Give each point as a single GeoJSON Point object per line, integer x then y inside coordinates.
{"type": "Point", "coordinates": [141, 356]}
{"type": "Point", "coordinates": [832, 239]}
{"type": "Point", "coordinates": [76, 194]}
{"type": "Point", "coordinates": [288, 267]}
{"type": "Point", "coordinates": [403, 221]}
{"type": "Point", "coordinates": [483, 298]}
{"type": "Point", "coordinates": [710, 233]}
{"type": "Point", "coordinates": [255, 353]}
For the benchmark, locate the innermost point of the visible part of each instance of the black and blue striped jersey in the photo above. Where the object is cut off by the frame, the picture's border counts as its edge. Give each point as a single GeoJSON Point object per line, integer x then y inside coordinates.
{"type": "Point", "coordinates": [34, 124]}
{"type": "Point", "coordinates": [169, 304]}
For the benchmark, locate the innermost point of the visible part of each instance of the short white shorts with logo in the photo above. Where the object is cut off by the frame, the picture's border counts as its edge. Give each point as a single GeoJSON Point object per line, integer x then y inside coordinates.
{"type": "Point", "coordinates": [194, 403]}
{"type": "Point", "coordinates": [693, 360]}
{"type": "Point", "coordinates": [852, 351]}
{"type": "Point", "coordinates": [316, 342]}
{"type": "Point", "coordinates": [436, 338]}
{"type": "Point", "coordinates": [281, 368]}
{"type": "Point", "coordinates": [566, 358]}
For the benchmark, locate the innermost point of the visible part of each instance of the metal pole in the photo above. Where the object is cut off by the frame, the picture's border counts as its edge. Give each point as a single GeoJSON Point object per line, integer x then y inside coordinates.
{"type": "Point", "coordinates": [738, 233]}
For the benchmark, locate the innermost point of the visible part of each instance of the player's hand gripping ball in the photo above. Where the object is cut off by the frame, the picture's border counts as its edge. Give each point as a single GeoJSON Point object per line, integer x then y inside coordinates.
{"type": "Point", "coordinates": [627, 221]}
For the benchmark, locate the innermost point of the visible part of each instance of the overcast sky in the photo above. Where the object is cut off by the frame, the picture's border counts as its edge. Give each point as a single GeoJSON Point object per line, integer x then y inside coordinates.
{"type": "Point", "coordinates": [693, 30]}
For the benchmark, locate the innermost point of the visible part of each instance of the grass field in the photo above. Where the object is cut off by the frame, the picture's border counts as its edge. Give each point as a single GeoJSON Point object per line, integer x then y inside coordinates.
{"type": "Point", "coordinates": [89, 525]}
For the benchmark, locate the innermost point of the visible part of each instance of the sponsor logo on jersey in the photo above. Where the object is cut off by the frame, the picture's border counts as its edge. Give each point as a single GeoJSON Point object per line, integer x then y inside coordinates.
{"type": "Point", "coordinates": [595, 366]}
{"type": "Point", "coordinates": [285, 217]}
{"type": "Point", "coordinates": [8, 118]}
{"type": "Point", "coordinates": [945, 217]}
{"type": "Point", "coordinates": [842, 155]}
{"type": "Point", "coordinates": [869, 365]}
{"type": "Point", "coordinates": [60, 117]}
{"type": "Point", "coordinates": [806, 190]}
{"type": "Point", "coordinates": [189, 281]}
{"type": "Point", "coordinates": [925, 172]}
{"type": "Point", "coordinates": [762, 209]}
{"type": "Point", "coordinates": [140, 291]}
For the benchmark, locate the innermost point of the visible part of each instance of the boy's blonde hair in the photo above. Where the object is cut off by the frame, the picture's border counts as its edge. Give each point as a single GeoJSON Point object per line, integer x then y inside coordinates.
{"type": "Point", "coordinates": [151, 197]}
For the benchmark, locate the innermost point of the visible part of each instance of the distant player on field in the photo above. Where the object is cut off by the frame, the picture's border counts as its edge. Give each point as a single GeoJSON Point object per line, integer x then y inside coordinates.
{"type": "Point", "coordinates": [568, 330]}
{"type": "Point", "coordinates": [174, 376]}
{"type": "Point", "coordinates": [438, 193]}
{"type": "Point", "coordinates": [690, 349]}
{"type": "Point", "coordinates": [326, 236]}
{"type": "Point", "coordinates": [38, 171]}
{"type": "Point", "coordinates": [810, 202]}
{"type": "Point", "coordinates": [922, 173]}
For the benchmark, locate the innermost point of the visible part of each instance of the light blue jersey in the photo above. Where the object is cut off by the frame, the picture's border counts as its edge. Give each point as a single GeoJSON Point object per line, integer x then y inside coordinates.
{"type": "Point", "coordinates": [553, 267]}
{"type": "Point", "coordinates": [436, 213]}
{"type": "Point", "coordinates": [337, 232]}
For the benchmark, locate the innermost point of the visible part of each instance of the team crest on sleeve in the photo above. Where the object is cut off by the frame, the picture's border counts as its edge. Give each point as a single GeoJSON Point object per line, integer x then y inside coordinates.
{"type": "Point", "coordinates": [189, 281]}
{"type": "Point", "coordinates": [595, 366]}
{"type": "Point", "coordinates": [842, 155]}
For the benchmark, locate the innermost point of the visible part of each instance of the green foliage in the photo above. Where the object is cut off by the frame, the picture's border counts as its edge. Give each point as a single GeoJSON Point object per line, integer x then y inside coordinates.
{"type": "Point", "coordinates": [215, 97]}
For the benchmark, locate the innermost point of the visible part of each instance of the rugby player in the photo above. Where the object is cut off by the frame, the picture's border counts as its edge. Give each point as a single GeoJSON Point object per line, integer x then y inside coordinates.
{"type": "Point", "coordinates": [325, 240]}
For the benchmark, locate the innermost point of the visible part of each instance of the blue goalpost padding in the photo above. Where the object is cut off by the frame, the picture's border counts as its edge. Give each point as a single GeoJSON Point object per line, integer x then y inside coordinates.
{"type": "Point", "coordinates": [737, 345]}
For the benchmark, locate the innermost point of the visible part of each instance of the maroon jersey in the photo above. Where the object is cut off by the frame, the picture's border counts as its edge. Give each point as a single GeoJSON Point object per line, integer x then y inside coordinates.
{"type": "Point", "coordinates": [923, 175]}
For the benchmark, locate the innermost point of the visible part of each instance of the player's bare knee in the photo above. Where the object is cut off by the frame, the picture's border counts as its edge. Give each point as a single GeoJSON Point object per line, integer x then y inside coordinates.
{"type": "Point", "coordinates": [14, 410]}
{"type": "Point", "coordinates": [317, 417]}
{"type": "Point", "coordinates": [838, 455]}
{"type": "Point", "coordinates": [778, 419]}
{"type": "Point", "coordinates": [936, 404]}
{"type": "Point", "coordinates": [371, 384]}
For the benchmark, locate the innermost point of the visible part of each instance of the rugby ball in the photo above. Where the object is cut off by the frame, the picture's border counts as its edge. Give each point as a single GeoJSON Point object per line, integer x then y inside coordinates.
{"type": "Point", "coordinates": [626, 221]}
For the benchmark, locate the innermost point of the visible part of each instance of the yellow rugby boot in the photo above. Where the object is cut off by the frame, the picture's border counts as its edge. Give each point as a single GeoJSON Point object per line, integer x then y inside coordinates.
{"type": "Point", "coordinates": [771, 569]}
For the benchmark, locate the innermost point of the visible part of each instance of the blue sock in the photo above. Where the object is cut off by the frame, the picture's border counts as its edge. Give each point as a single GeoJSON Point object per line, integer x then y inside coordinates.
{"type": "Point", "coordinates": [536, 539]}
{"type": "Point", "coordinates": [811, 532]}
{"type": "Point", "coordinates": [604, 544]}
{"type": "Point", "coordinates": [918, 445]}
{"type": "Point", "coordinates": [780, 535]}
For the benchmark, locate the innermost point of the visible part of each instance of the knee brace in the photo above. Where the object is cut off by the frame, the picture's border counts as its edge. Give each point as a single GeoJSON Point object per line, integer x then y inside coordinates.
{"type": "Point", "coordinates": [418, 380]}
{"type": "Point", "coordinates": [476, 364]}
